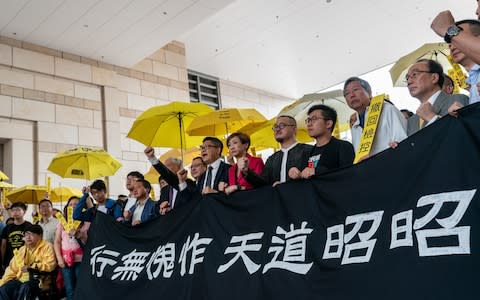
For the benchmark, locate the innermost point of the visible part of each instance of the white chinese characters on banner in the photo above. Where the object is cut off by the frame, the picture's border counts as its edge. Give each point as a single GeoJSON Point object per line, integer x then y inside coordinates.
{"type": "Point", "coordinates": [293, 246]}
{"type": "Point", "coordinates": [240, 250]}
{"type": "Point", "coordinates": [103, 257]}
{"type": "Point", "coordinates": [462, 233]}
{"type": "Point", "coordinates": [197, 251]}
{"type": "Point", "coordinates": [133, 264]}
{"type": "Point", "coordinates": [163, 258]}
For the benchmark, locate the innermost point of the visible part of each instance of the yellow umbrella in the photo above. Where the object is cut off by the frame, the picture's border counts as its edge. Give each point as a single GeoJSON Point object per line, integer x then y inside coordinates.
{"type": "Point", "coordinates": [261, 135]}
{"type": "Point", "coordinates": [3, 176]}
{"type": "Point", "coordinates": [224, 121]}
{"type": "Point", "coordinates": [438, 52]}
{"type": "Point", "coordinates": [84, 163]}
{"type": "Point", "coordinates": [164, 126]}
{"type": "Point", "coordinates": [334, 99]}
{"type": "Point", "coordinates": [6, 185]}
{"type": "Point", "coordinates": [62, 193]}
{"type": "Point", "coordinates": [31, 194]}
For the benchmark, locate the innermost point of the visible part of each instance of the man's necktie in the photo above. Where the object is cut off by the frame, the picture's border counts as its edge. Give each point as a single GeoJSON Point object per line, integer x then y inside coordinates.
{"type": "Point", "coordinates": [170, 196]}
{"type": "Point", "coordinates": [421, 122]}
{"type": "Point", "coordinates": [209, 177]}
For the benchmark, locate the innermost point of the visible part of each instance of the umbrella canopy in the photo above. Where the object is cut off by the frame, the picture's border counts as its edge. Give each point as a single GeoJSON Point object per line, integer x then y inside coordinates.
{"type": "Point", "coordinates": [63, 193]}
{"type": "Point", "coordinates": [438, 52]}
{"type": "Point", "coordinates": [84, 163]}
{"type": "Point", "coordinates": [30, 194]}
{"type": "Point", "coordinates": [152, 174]}
{"type": "Point", "coordinates": [3, 176]}
{"type": "Point", "coordinates": [6, 185]}
{"type": "Point", "coordinates": [164, 126]}
{"type": "Point", "coordinates": [334, 99]}
{"type": "Point", "coordinates": [261, 135]}
{"type": "Point", "coordinates": [224, 121]}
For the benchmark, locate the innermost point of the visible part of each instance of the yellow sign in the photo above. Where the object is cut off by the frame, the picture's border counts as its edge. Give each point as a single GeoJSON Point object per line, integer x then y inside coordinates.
{"type": "Point", "coordinates": [336, 130]}
{"type": "Point", "coordinates": [70, 224]}
{"type": "Point", "coordinates": [456, 73]}
{"type": "Point", "coordinates": [370, 127]}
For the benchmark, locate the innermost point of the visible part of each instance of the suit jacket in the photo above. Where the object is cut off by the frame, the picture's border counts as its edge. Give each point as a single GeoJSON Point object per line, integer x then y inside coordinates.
{"type": "Point", "coordinates": [440, 107]}
{"type": "Point", "coordinates": [297, 157]}
{"type": "Point", "coordinates": [179, 201]}
{"type": "Point", "coordinates": [149, 211]}
{"type": "Point", "coordinates": [222, 175]}
{"type": "Point", "coordinates": [170, 177]}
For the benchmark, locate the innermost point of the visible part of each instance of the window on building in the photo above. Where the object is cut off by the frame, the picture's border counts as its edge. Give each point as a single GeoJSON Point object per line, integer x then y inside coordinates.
{"type": "Point", "coordinates": [204, 89]}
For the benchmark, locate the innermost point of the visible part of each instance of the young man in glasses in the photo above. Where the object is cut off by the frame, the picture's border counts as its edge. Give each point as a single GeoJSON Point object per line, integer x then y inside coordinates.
{"type": "Point", "coordinates": [424, 81]}
{"type": "Point", "coordinates": [329, 153]}
{"type": "Point", "coordinates": [392, 126]}
{"type": "Point", "coordinates": [292, 154]}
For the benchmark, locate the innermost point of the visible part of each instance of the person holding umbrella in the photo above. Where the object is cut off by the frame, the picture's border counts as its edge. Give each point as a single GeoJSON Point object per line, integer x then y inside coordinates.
{"type": "Point", "coordinates": [98, 192]}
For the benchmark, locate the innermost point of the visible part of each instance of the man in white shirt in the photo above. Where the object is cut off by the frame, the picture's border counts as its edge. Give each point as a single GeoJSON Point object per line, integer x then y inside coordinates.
{"type": "Point", "coordinates": [424, 81]}
{"type": "Point", "coordinates": [144, 209]}
{"type": "Point", "coordinates": [47, 221]}
{"type": "Point", "coordinates": [392, 126]}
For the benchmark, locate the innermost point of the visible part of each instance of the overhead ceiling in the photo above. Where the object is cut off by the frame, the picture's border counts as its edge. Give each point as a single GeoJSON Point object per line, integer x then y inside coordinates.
{"type": "Point", "coordinates": [284, 46]}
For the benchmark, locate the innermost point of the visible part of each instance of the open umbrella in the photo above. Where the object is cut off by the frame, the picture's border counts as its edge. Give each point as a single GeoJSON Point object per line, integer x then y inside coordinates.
{"type": "Point", "coordinates": [6, 185]}
{"type": "Point", "coordinates": [334, 99]}
{"type": "Point", "coordinates": [30, 194]}
{"type": "Point", "coordinates": [63, 193]}
{"type": "Point", "coordinates": [164, 125]}
{"type": "Point", "coordinates": [224, 121]}
{"type": "Point", "coordinates": [84, 163]}
{"type": "Point", "coordinates": [3, 176]}
{"type": "Point", "coordinates": [438, 52]}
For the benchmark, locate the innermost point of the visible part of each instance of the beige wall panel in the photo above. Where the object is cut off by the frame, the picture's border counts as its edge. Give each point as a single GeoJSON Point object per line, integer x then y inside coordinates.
{"type": "Point", "coordinates": [16, 78]}
{"type": "Point", "coordinates": [113, 139]}
{"type": "Point", "coordinates": [145, 65]}
{"type": "Point", "coordinates": [155, 90]}
{"type": "Point", "coordinates": [90, 137]}
{"type": "Point", "coordinates": [53, 85]}
{"type": "Point", "coordinates": [5, 106]}
{"type": "Point", "coordinates": [73, 116]}
{"type": "Point", "coordinates": [127, 84]}
{"type": "Point", "coordinates": [103, 77]}
{"type": "Point", "coordinates": [87, 92]}
{"type": "Point", "coordinates": [57, 133]}
{"type": "Point", "coordinates": [33, 61]}
{"type": "Point", "coordinates": [141, 103]}
{"type": "Point", "coordinates": [33, 110]}
{"type": "Point", "coordinates": [175, 59]}
{"type": "Point", "coordinates": [164, 70]}
{"type": "Point", "coordinates": [73, 70]}
{"type": "Point", "coordinates": [6, 55]}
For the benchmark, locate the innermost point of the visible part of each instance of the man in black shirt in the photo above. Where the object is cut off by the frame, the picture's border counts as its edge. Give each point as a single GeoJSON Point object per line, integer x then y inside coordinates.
{"type": "Point", "coordinates": [12, 235]}
{"type": "Point", "coordinates": [329, 153]}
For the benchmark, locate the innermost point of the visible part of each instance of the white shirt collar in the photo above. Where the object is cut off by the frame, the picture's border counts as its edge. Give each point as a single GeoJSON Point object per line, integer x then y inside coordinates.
{"type": "Point", "coordinates": [288, 149]}
{"type": "Point", "coordinates": [215, 164]}
{"type": "Point", "coordinates": [434, 97]}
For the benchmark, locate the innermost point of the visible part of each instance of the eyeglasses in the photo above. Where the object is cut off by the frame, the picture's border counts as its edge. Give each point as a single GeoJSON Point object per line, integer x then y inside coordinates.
{"type": "Point", "coordinates": [313, 119]}
{"type": "Point", "coordinates": [414, 75]}
{"type": "Point", "coordinates": [205, 147]}
{"type": "Point", "coordinates": [280, 126]}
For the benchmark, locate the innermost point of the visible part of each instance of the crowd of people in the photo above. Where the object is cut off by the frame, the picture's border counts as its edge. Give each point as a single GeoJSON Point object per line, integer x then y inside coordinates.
{"type": "Point", "coordinates": [53, 246]}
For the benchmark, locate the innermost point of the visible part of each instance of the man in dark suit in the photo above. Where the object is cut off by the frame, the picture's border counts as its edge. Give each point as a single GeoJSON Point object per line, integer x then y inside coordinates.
{"type": "Point", "coordinates": [217, 170]}
{"type": "Point", "coordinates": [424, 82]}
{"type": "Point", "coordinates": [168, 172]}
{"type": "Point", "coordinates": [292, 154]}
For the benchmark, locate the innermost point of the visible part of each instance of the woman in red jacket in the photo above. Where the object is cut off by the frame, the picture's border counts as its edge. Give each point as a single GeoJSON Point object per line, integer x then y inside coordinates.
{"type": "Point", "coordinates": [238, 144]}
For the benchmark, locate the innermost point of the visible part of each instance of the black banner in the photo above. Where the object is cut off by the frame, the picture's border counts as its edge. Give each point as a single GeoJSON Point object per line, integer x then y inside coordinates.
{"type": "Point", "coordinates": [401, 225]}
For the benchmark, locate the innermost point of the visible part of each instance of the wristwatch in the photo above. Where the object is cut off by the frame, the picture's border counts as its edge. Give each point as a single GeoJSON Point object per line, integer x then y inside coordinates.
{"type": "Point", "coordinates": [452, 31]}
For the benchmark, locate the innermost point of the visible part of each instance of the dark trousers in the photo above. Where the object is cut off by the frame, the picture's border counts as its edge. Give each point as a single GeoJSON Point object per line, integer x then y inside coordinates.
{"type": "Point", "coordinates": [14, 289]}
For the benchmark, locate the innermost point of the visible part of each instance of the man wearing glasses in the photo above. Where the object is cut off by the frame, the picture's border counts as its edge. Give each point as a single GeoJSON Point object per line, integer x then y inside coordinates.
{"type": "Point", "coordinates": [424, 81]}
{"type": "Point", "coordinates": [392, 126]}
{"type": "Point", "coordinates": [329, 153]}
{"type": "Point", "coordinates": [292, 154]}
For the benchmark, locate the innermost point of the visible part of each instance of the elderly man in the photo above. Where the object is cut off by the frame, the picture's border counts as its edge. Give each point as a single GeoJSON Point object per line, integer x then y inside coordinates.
{"type": "Point", "coordinates": [36, 254]}
{"type": "Point", "coordinates": [424, 82]}
{"type": "Point", "coordinates": [292, 154]}
{"type": "Point", "coordinates": [392, 126]}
